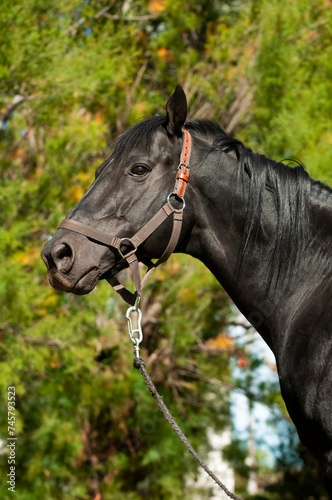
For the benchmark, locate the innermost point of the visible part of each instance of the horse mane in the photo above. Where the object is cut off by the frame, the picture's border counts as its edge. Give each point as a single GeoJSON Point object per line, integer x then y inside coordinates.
{"type": "Point", "coordinates": [290, 187]}
{"type": "Point", "coordinates": [291, 192]}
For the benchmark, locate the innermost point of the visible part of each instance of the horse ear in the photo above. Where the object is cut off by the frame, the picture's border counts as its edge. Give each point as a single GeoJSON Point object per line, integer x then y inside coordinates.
{"type": "Point", "coordinates": [176, 109]}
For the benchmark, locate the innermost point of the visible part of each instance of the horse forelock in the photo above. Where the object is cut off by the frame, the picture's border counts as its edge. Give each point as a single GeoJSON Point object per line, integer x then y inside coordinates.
{"type": "Point", "coordinates": [141, 131]}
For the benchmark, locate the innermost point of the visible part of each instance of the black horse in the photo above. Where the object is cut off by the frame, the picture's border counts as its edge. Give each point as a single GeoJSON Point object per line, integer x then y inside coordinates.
{"type": "Point", "coordinates": [262, 228]}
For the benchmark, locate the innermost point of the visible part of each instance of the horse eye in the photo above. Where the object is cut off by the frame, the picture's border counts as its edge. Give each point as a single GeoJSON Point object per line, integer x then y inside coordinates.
{"type": "Point", "coordinates": [139, 170]}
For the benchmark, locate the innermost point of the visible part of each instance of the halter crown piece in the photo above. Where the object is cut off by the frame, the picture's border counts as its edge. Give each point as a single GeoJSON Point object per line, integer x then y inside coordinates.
{"type": "Point", "coordinates": [142, 235]}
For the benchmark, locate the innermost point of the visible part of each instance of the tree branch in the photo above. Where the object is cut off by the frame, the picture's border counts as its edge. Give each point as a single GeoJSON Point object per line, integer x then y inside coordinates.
{"type": "Point", "coordinates": [76, 25]}
{"type": "Point", "coordinates": [33, 340]}
{"type": "Point", "coordinates": [17, 100]}
{"type": "Point", "coordinates": [238, 108]}
{"type": "Point", "coordinates": [130, 18]}
{"type": "Point", "coordinates": [103, 11]}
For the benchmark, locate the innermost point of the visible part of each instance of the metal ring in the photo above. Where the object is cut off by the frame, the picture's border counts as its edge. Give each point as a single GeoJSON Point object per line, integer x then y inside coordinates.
{"type": "Point", "coordinates": [179, 198]}
{"type": "Point", "coordinates": [130, 241]}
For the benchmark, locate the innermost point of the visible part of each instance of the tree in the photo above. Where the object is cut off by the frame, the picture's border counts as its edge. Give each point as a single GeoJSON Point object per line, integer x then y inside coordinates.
{"type": "Point", "coordinates": [74, 76]}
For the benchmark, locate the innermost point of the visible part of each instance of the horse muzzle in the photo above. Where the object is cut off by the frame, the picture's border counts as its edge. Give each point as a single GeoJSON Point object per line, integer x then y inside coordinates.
{"type": "Point", "coordinates": [75, 263]}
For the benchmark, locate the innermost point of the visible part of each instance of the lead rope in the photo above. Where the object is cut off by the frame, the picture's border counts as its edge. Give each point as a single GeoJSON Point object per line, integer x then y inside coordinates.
{"type": "Point", "coordinates": [136, 336]}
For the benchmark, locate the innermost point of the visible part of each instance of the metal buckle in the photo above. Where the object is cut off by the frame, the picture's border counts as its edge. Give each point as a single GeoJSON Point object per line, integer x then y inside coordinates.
{"type": "Point", "coordinates": [130, 251]}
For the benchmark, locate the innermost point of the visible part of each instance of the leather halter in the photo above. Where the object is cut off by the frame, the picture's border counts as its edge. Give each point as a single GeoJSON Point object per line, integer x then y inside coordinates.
{"type": "Point", "coordinates": [142, 235]}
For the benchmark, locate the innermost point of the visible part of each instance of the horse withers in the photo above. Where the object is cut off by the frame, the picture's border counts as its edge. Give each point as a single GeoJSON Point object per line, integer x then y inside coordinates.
{"type": "Point", "coordinates": [262, 228]}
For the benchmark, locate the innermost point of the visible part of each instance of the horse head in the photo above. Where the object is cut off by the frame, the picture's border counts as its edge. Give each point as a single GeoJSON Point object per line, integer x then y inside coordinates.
{"type": "Point", "coordinates": [129, 188]}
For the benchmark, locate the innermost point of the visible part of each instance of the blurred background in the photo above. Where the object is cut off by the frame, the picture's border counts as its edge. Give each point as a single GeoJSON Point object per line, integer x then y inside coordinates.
{"type": "Point", "coordinates": [74, 74]}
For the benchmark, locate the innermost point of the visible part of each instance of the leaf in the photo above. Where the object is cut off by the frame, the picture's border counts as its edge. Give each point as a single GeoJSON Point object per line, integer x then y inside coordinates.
{"type": "Point", "coordinates": [164, 54]}
{"type": "Point", "coordinates": [156, 6]}
{"type": "Point", "coordinates": [76, 193]}
{"type": "Point", "coordinates": [221, 343]}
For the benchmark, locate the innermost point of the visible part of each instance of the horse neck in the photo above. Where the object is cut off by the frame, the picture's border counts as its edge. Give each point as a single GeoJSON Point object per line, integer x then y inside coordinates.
{"type": "Point", "coordinates": [217, 240]}
{"type": "Point", "coordinates": [317, 259]}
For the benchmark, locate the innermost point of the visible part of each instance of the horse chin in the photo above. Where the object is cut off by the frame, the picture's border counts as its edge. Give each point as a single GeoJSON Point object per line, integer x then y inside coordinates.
{"type": "Point", "coordinates": [81, 286]}
{"type": "Point", "coordinates": [86, 283]}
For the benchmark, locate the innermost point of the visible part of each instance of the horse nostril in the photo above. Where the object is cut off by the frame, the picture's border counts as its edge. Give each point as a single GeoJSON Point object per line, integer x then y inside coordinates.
{"type": "Point", "coordinates": [63, 257]}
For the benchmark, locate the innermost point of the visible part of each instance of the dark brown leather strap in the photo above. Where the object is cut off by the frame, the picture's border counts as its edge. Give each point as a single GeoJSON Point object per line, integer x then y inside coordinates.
{"type": "Point", "coordinates": [113, 241]}
{"type": "Point", "coordinates": [90, 232]}
{"type": "Point", "coordinates": [155, 221]}
{"type": "Point", "coordinates": [127, 296]}
{"type": "Point", "coordinates": [173, 241]}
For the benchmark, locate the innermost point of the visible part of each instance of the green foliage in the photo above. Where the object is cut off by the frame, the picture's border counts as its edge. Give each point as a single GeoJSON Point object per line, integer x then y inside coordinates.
{"type": "Point", "coordinates": [293, 67]}
{"type": "Point", "coordinates": [73, 75]}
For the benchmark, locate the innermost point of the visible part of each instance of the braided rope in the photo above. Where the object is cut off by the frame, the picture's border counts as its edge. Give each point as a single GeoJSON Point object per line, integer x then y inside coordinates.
{"type": "Point", "coordinates": [139, 363]}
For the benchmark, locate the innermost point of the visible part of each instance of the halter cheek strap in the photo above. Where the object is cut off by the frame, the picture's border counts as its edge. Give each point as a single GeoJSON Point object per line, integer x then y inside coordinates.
{"type": "Point", "coordinates": [142, 235]}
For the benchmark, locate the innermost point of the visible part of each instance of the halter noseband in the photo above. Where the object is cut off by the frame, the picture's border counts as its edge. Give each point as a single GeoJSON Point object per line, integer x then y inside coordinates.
{"type": "Point", "coordinates": [142, 235]}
